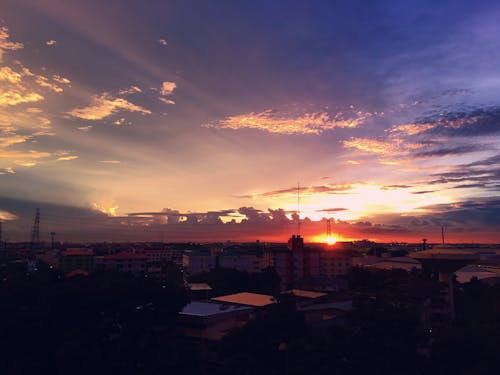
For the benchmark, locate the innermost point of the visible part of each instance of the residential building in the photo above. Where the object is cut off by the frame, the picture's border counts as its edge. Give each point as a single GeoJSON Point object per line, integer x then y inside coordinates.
{"type": "Point", "coordinates": [242, 258]}
{"type": "Point", "coordinates": [198, 261]}
{"type": "Point", "coordinates": [76, 259]}
{"type": "Point", "coordinates": [124, 262]}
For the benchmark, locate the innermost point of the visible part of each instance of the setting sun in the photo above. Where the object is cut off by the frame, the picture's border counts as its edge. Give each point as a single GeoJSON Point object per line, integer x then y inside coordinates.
{"type": "Point", "coordinates": [329, 240]}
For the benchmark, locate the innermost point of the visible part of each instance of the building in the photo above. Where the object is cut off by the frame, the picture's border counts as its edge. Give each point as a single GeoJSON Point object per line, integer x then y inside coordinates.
{"type": "Point", "coordinates": [198, 261]}
{"type": "Point", "coordinates": [242, 258]}
{"type": "Point", "coordinates": [396, 263]}
{"type": "Point", "coordinates": [162, 255]}
{"type": "Point", "coordinates": [199, 291]}
{"type": "Point", "coordinates": [124, 262]}
{"type": "Point", "coordinates": [335, 263]}
{"type": "Point", "coordinates": [294, 262]}
{"type": "Point", "coordinates": [212, 321]}
{"type": "Point", "coordinates": [76, 259]}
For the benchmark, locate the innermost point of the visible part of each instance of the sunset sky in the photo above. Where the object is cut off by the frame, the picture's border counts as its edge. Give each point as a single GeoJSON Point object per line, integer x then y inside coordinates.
{"type": "Point", "coordinates": [386, 112]}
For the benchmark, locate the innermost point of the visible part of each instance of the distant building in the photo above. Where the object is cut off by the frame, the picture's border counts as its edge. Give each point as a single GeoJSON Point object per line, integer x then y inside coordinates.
{"type": "Point", "coordinates": [76, 259]}
{"type": "Point", "coordinates": [124, 262]}
{"type": "Point", "coordinates": [335, 263]}
{"type": "Point", "coordinates": [198, 261]}
{"type": "Point", "coordinates": [396, 263]}
{"type": "Point", "coordinates": [162, 255]}
{"type": "Point", "coordinates": [294, 262]}
{"type": "Point", "coordinates": [478, 271]}
{"type": "Point", "coordinates": [242, 258]}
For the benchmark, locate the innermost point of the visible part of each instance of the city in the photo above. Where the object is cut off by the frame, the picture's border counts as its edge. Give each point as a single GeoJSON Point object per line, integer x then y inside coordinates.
{"type": "Point", "coordinates": [257, 188]}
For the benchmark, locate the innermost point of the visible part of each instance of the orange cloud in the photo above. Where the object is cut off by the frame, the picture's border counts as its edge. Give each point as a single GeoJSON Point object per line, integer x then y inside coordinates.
{"type": "Point", "coordinates": [389, 147]}
{"type": "Point", "coordinates": [353, 162]}
{"type": "Point", "coordinates": [130, 90]}
{"type": "Point", "coordinates": [15, 97]}
{"type": "Point", "coordinates": [32, 154]}
{"type": "Point", "coordinates": [274, 122]}
{"type": "Point", "coordinates": [7, 216]}
{"type": "Point", "coordinates": [5, 44]}
{"type": "Point", "coordinates": [44, 82]}
{"type": "Point", "coordinates": [104, 106]}
{"type": "Point", "coordinates": [110, 161]}
{"type": "Point", "coordinates": [167, 88]}
{"type": "Point", "coordinates": [371, 145]}
{"type": "Point", "coordinates": [412, 129]}
{"type": "Point", "coordinates": [9, 75]}
{"type": "Point", "coordinates": [166, 101]}
{"type": "Point", "coordinates": [67, 158]}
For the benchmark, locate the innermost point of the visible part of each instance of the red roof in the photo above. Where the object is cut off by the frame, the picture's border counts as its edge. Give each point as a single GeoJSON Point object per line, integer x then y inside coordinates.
{"type": "Point", "coordinates": [77, 272]}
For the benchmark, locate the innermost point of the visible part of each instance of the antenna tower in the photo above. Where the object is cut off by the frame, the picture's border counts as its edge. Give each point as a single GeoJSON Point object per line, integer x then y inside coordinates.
{"type": "Point", "coordinates": [35, 233]}
{"type": "Point", "coordinates": [442, 234]}
{"type": "Point", "coordinates": [328, 228]}
{"type": "Point", "coordinates": [298, 208]}
{"type": "Point", "coordinates": [1, 233]}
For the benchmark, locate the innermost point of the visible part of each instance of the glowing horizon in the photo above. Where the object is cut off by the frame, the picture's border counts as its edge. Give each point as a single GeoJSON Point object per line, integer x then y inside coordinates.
{"type": "Point", "coordinates": [185, 112]}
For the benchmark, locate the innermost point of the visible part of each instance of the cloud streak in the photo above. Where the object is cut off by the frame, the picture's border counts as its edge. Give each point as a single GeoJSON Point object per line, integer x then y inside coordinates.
{"type": "Point", "coordinates": [276, 122]}
{"type": "Point", "coordinates": [103, 106]}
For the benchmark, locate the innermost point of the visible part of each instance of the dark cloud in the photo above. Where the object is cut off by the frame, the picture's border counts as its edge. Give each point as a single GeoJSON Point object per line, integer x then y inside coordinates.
{"type": "Point", "coordinates": [457, 150]}
{"type": "Point", "coordinates": [469, 123]}
{"type": "Point", "coordinates": [423, 192]}
{"type": "Point", "coordinates": [468, 186]}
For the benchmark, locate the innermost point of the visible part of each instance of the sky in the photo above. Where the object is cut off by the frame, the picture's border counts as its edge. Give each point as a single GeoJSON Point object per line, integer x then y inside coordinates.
{"type": "Point", "coordinates": [201, 120]}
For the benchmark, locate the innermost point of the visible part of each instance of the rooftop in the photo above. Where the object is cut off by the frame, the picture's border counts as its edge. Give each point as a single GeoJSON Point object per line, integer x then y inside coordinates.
{"type": "Point", "coordinates": [247, 299]}
{"type": "Point", "coordinates": [199, 286]}
{"type": "Point", "coordinates": [305, 293]}
{"type": "Point", "coordinates": [210, 308]}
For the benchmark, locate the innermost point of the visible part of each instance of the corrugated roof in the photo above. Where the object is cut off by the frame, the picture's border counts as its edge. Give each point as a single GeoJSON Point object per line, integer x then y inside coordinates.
{"type": "Point", "coordinates": [248, 299]}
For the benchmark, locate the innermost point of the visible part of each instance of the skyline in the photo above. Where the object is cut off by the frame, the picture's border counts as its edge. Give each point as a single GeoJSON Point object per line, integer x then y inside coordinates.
{"type": "Point", "coordinates": [388, 115]}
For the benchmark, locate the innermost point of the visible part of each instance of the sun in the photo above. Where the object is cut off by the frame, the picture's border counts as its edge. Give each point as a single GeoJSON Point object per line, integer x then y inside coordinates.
{"type": "Point", "coordinates": [330, 240]}
{"type": "Point", "coordinates": [325, 239]}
